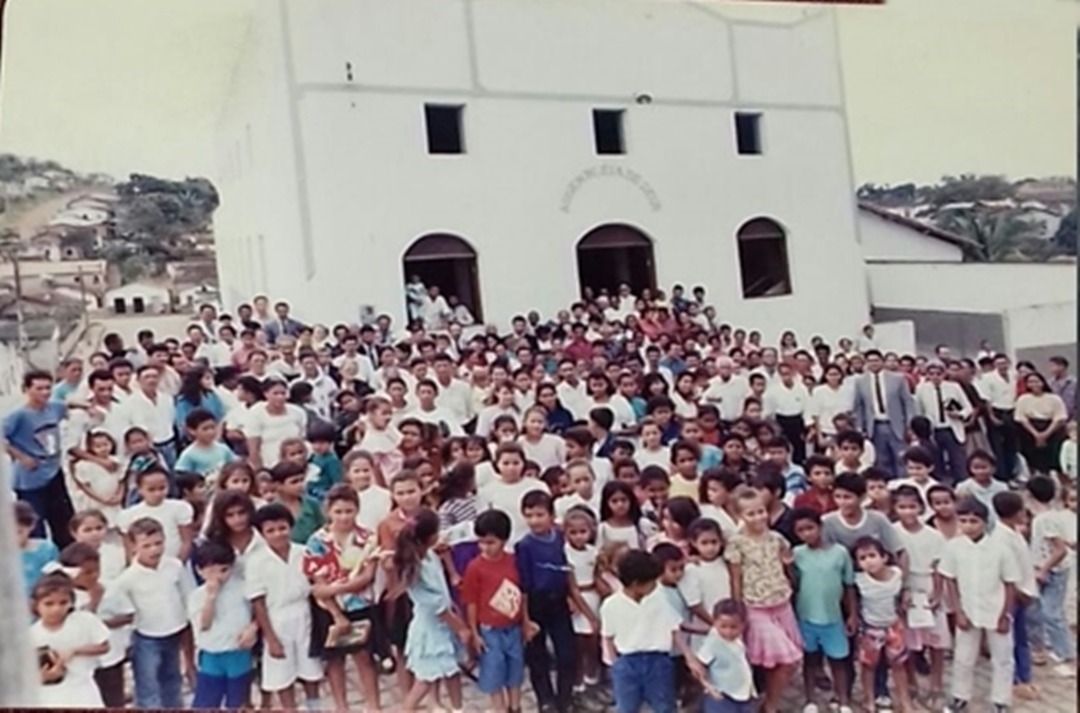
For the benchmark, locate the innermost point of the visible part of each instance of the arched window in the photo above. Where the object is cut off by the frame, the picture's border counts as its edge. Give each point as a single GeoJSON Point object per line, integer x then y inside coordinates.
{"type": "Point", "coordinates": [763, 259]}
{"type": "Point", "coordinates": [615, 254]}
{"type": "Point", "coordinates": [449, 262]}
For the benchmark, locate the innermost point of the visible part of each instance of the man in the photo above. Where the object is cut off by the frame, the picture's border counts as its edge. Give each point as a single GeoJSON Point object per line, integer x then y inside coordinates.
{"type": "Point", "coordinates": [323, 388]}
{"type": "Point", "coordinates": [770, 359]}
{"type": "Point", "coordinates": [727, 391]}
{"type": "Point", "coordinates": [262, 310]}
{"type": "Point", "coordinates": [867, 342]}
{"type": "Point", "coordinates": [571, 390]}
{"type": "Point", "coordinates": [282, 325]}
{"type": "Point", "coordinates": [1063, 384]}
{"type": "Point", "coordinates": [434, 310]}
{"type": "Point", "coordinates": [168, 377]}
{"type": "Point", "coordinates": [71, 371]}
{"type": "Point", "coordinates": [151, 409]}
{"type": "Point", "coordinates": [454, 396]}
{"type": "Point", "coordinates": [999, 386]}
{"type": "Point", "coordinates": [141, 354]}
{"type": "Point", "coordinates": [883, 409]}
{"type": "Point", "coordinates": [208, 320]}
{"type": "Point", "coordinates": [121, 371]}
{"type": "Point", "coordinates": [246, 315]}
{"type": "Point", "coordinates": [103, 413]}
{"type": "Point", "coordinates": [286, 365]}
{"type": "Point", "coordinates": [32, 433]}
{"type": "Point", "coordinates": [786, 400]}
{"type": "Point", "coordinates": [427, 411]}
{"type": "Point", "coordinates": [947, 406]}
{"type": "Point", "coordinates": [351, 355]}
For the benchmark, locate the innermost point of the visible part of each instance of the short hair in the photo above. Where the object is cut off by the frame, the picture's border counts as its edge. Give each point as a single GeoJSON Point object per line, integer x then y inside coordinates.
{"type": "Point", "coordinates": [212, 553]}
{"type": "Point", "coordinates": [579, 435]}
{"type": "Point", "coordinates": [78, 553]}
{"type": "Point", "coordinates": [98, 375]}
{"type": "Point", "coordinates": [272, 512]}
{"type": "Point", "coordinates": [850, 437]}
{"type": "Point", "coordinates": [1042, 489]}
{"type": "Point", "coordinates": [35, 375]}
{"type": "Point", "coordinates": [939, 488]}
{"type": "Point", "coordinates": [729, 607]}
{"type": "Point", "coordinates": [493, 523]}
{"type": "Point", "coordinates": [188, 480]}
{"type": "Point", "coordinates": [984, 456]}
{"type": "Point", "coordinates": [703, 525]}
{"type": "Point", "coordinates": [152, 469]}
{"type": "Point", "coordinates": [729, 479]}
{"type": "Point", "coordinates": [638, 567]}
{"type": "Point", "coordinates": [653, 474]}
{"type": "Point", "coordinates": [602, 417]}
{"type": "Point", "coordinates": [1060, 361]}
{"type": "Point", "coordinates": [198, 417]}
{"type": "Point", "coordinates": [623, 444]}
{"type": "Point", "coordinates": [878, 475]}
{"type": "Point", "coordinates": [805, 513]}
{"type": "Point", "coordinates": [666, 552]}
{"type": "Point", "coordinates": [287, 469]}
{"type": "Point", "coordinates": [25, 515]}
{"type": "Point", "coordinates": [658, 402]}
{"type": "Point", "coordinates": [683, 445]}
{"type": "Point", "coordinates": [683, 510]}
{"type": "Point", "coordinates": [770, 477]}
{"type": "Point", "coordinates": [1008, 504]}
{"type": "Point", "coordinates": [342, 493]}
{"type": "Point", "coordinates": [819, 461]}
{"type": "Point", "coordinates": [322, 432]}
{"type": "Point", "coordinates": [852, 483]}
{"type": "Point", "coordinates": [970, 505]}
{"type": "Point", "coordinates": [538, 499]}
{"type": "Point", "coordinates": [510, 448]}
{"type": "Point", "coordinates": [869, 542]}
{"type": "Point", "coordinates": [779, 442]}
{"type": "Point", "coordinates": [907, 491]}
{"type": "Point", "coordinates": [919, 455]}
{"type": "Point", "coordinates": [145, 527]}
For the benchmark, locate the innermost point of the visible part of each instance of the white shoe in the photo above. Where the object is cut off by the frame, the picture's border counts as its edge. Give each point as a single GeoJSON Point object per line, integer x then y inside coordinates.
{"type": "Point", "coordinates": [845, 709]}
{"type": "Point", "coordinates": [810, 708]}
{"type": "Point", "coordinates": [1063, 670]}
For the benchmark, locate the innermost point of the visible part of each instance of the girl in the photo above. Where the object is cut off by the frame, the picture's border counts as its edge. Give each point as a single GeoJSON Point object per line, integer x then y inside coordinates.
{"type": "Point", "coordinates": [230, 525]}
{"type": "Point", "coordinates": [500, 403]}
{"type": "Point", "coordinates": [707, 542]}
{"type": "Point", "coordinates": [607, 568]}
{"type": "Point", "coordinates": [234, 477]}
{"type": "Point", "coordinates": [675, 519]}
{"type": "Point", "coordinates": [362, 474]}
{"type": "Point", "coordinates": [436, 634]}
{"type": "Point", "coordinates": [879, 586]}
{"type": "Point", "coordinates": [557, 480]}
{"type": "Point", "coordinates": [942, 501]}
{"type": "Point", "coordinates": [685, 457]}
{"type": "Point", "coordinates": [759, 560]}
{"type": "Point", "coordinates": [714, 494]}
{"type": "Point", "coordinates": [621, 520]}
{"type": "Point", "coordinates": [504, 430]}
{"type": "Point", "coordinates": [425, 470]}
{"type": "Point", "coordinates": [685, 396]}
{"type": "Point", "coordinates": [652, 451]}
{"type": "Point", "coordinates": [96, 487]}
{"type": "Point", "coordinates": [340, 560]}
{"type": "Point", "coordinates": [457, 513]}
{"type": "Point", "coordinates": [296, 450]}
{"type": "Point", "coordinates": [477, 453]}
{"type": "Point", "coordinates": [543, 448]}
{"type": "Point", "coordinates": [68, 642]}
{"type": "Point", "coordinates": [558, 418]}
{"type": "Point", "coordinates": [381, 439]}
{"type": "Point", "coordinates": [506, 492]}
{"type": "Point", "coordinates": [579, 530]}
{"type": "Point", "coordinates": [453, 453]}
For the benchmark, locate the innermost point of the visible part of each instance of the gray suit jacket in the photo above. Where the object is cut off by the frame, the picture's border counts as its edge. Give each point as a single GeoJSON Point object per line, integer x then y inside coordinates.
{"type": "Point", "coordinates": [899, 404]}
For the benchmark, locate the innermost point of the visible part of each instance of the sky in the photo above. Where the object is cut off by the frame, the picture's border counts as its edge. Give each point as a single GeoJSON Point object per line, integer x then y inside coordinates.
{"type": "Point", "coordinates": [933, 87]}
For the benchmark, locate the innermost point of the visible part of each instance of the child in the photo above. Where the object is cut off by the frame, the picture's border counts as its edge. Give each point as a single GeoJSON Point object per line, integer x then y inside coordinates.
{"type": "Point", "coordinates": [626, 471]}
{"type": "Point", "coordinates": [769, 482]}
{"type": "Point", "coordinates": [682, 592]}
{"type": "Point", "coordinates": [436, 633]}
{"type": "Point", "coordinates": [583, 492]}
{"type": "Point", "coordinates": [655, 486]}
{"type": "Point", "coordinates": [728, 682]}
{"type": "Point", "coordinates": [155, 586]}
{"type": "Point", "coordinates": [981, 483]}
{"type": "Point", "coordinates": [141, 455]}
{"type": "Point", "coordinates": [174, 516]}
{"type": "Point", "coordinates": [97, 487]}
{"type": "Point", "coordinates": [275, 584]}
{"type": "Point", "coordinates": [642, 670]}
{"type": "Point", "coordinates": [545, 449]}
{"type": "Point", "coordinates": [735, 457]}
{"type": "Point", "coordinates": [711, 455]}
{"type": "Point", "coordinates": [925, 624]}
{"type": "Point", "coordinates": [1012, 522]}
{"type": "Point", "coordinates": [980, 577]}
{"type": "Point", "coordinates": [381, 439]}
{"type": "Point", "coordinates": [307, 516]}
{"type": "Point", "coordinates": [68, 642]}
{"type": "Point", "coordinates": [820, 474]}
{"type": "Point", "coordinates": [327, 470]}
{"type": "Point", "coordinates": [620, 517]}
{"type": "Point", "coordinates": [543, 570]}
{"type": "Point", "coordinates": [508, 491]}
{"type": "Point", "coordinates": [878, 498]}
{"type": "Point", "coordinates": [758, 557]}
{"type": "Point", "coordinates": [852, 521]}
{"type": "Point", "coordinates": [714, 494]}
{"type": "Point", "coordinates": [340, 560]}
{"type": "Point", "coordinates": [919, 464]}
{"type": "Point", "coordinates": [709, 572]}
{"type": "Point", "coordinates": [850, 452]}
{"type": "Point", "coordinates": [652, 450]}
{"type": "Point", "coordinates": [579, 529]}
{"type": "Point", "coordinates": [220, 616]}
{"type": "Point", "coordinates": [778, 450]}
{"type": "Point", "coordinates": [943, 503]}
{"type": "Point", "coordinates": [192, 490]}
{"type": "Point", "coordinates": [35, 553]}
{"type": "Point", "coordinates": [457, 514]}
{"type": "Point", "coordinates": [685, 457]}
{"type": "Point", "coordinates": [362, 474]}
{"type": "Point", "coordinates": [881, 631]}
{"type": "Point", "coordinates": [1053, 535]}
{"type": "Point", "coordinates": [825, 588]}
{"type": "Point", "coordinates": [675, 520]}
{"type": "Point", "coordinates": [494, 606]}
{"type": "Point", "coordinates": [1068, 455]}
{"type": "Point", "coordinates": [206, 455]}
{"type": "Point", "coordinates": [579, 445]}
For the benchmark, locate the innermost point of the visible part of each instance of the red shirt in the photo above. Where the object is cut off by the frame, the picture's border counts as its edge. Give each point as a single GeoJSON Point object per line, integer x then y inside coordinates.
{"type": "Point", "coordinates": [811, 499]}
{"type": "Point", "coordinates": [492, 586]}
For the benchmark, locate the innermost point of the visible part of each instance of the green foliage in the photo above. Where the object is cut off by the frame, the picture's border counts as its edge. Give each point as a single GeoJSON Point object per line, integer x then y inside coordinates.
{"type": "Point", "coordinates": [1065, 237]}
{"type": "Point", "coordinates": [967, 188]}
{"type": "Point", "coordinates": [999, 235]}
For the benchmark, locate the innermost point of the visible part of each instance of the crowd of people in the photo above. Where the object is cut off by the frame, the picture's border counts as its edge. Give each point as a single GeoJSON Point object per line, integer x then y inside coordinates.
{"type": "Point", "coordinates": [643, 503]}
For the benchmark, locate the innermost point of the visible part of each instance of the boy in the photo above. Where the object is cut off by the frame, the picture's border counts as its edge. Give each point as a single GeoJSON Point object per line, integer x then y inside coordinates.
{"type": "Point", "coordinates": [852, 521]}
{"type": "Point", "coordinates": [769, 482]}
{"type": "Point", "coordinates": [174, 516]}
{"type": "Point", "coordinates": [711, 455]}
{"type": "Point", "coordinates": [35, 553]}
{"type": "Point", "coordinates": [980, 576]}
{"type": "Point", "coordinates": [729, 682]}
{"type": "Point", "coordinates": [825, 579]}
{"type": "Point", "coordinates": [850, 452]}
{"type": "Point", "coordinates": [655, 485]}
{"type": "Point", "coordinates": [819, 496]}
{"type": "Point", "coordinates": [220, 617]}
{"type": "Point", "coordinates": [493, 602]}
{"type": "Point", "coordinates": [601, 421]}
{"type": "Point", "coordinates": [919, 464]}
{"type": "Point", "coordinates": [207, 454]}
{"type": "Point", "coordinates": [579, 446]}
{"type": "Point", "coordinates": [1012, 522]}
{"type": "Point", "coordinates": [278, 591]}
{"type": "Point", "coordinates": [877, 491]}
{"type": "Point", "coordinates": [192, 489]}
{"type": "Point", "coordinates": [1053, 536]}
{"type": "Point", "coordinates": [288, 477]}
{"type": "Point", "coordinates": [685, 458]}
{"type": "Point", "coordinates": [156, 587]}
{"type": "Point", "coordinates": [981, 483]}
{"type": "Point", "coordinates": [683, 596]}
{"type": "Point", "coordinates": [642, 670]}
{"type": "Point", "coordinates": [322, 435]}
{"type": "Point", "coordinates": [582, 492]}
{"type": "Point", "coordinates": [662, 410]}
{"type": "Point", "coordinates": [544, 575]}
{"type": "Point", "coordinates": [735, 461]}
{"type": "Point", "coordinates": [778, 450]}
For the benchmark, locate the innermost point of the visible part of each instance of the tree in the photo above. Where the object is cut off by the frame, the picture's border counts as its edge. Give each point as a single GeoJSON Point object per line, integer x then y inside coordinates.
{"type": "Point", "coordinates": [1065, 237]}
{"type": "Point", "coordinates": [967, 188]}
{"type": "Point", "coordinates": [999, 235]}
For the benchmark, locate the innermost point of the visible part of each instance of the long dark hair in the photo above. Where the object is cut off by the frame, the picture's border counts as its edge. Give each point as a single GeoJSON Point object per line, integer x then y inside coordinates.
{"type": "Point", "coordinates": [458, 483]}
{"type": "Point", "coordinates": [617, 486]}
{"type": "Point", "coordinates": [225, 500]}
{"type": "Point", "coordinates": [411, 546]}
{"type": "Point", "coordinates": [191, 388]}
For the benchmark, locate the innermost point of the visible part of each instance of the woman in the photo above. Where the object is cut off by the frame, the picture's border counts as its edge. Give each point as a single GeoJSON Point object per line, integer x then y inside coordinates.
{"type": "Point", "coordinates": [1040, 415]}
{"type": "Point", "coordinates": [559, 417]}
{"type": "Point", "coordinates": [601, 394]}
{"type": "Point", "coordinates": [685, 396]}
{"type": "Point", "coordinates": [788, 344]}
{"type": "Point", "coordinates": [828, 399]}
{"type": "Point", "coordinates": [500, 403]}
{"type": "Point", "coordinates": [197, 392]}
{"type": "Point", "coordinates": [270, 422]}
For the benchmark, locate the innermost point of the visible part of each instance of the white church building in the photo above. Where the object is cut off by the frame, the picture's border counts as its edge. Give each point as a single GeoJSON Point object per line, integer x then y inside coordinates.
{"type": "Point", "coordinates": [514, 153]}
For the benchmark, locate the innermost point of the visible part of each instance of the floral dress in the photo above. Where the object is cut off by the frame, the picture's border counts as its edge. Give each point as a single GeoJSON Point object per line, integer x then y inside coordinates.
{"type": "Point", "coordinates": [325, 559]}
{"type": "Point", "coordinates": [432, 650]}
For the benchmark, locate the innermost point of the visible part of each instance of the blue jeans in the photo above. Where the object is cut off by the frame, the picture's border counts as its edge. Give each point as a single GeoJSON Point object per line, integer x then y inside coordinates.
{"type": "Point", "coordinates": [502, 664]}
{"type": "Point", "coordinates": [1021, 645]}
{"type": "Point", "coordinates": [647, 677]}
{"type": "Point", "coordinates": [223, 678]}
{"type": "Point", "coordinates": [888, 448]}
{"type": "Point", "coordinates": [155, 662]}
{"type": "Point", "coordinates": [1055, 626]}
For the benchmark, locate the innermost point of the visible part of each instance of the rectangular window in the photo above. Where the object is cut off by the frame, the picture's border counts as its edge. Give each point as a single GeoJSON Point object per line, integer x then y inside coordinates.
{"type": "Point", "coordinates": [608, 131]}
{"type": "Point", "coordinates": [748, 133]}
{"type": "Point", "coordinates": [444, 129]}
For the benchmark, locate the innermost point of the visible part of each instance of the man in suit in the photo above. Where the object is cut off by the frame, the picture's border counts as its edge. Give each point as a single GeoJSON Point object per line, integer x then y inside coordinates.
{"type": "Point", "coordinates": [281, 325]}
{"type": "Point", "coordinates": [947, 407]}
{"type": "Point", "coordinates": [883, 410]}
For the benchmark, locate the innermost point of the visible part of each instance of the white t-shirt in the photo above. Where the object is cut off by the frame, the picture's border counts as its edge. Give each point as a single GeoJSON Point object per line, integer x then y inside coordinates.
{"type": "Point", "coordinates": [660, 457]}
{"type": "Point", "coordinates": [157, 596]}
{"type": "Point", "coordinates": [711, 582]}
{"type": "Point", "coordinates": [375, 505]}
{"type": "Point", "coordinates": [273, 429]}
{"type": "Point", "coordinates": [1021, 552]}
{"type": "Point", "coordinates": [621, 617]}
{"type": "Point", "coordinates": [571, 500]}
{"type": "Point", "coordinates": [232, 614]}
{"type": "Point", "coordinates": [878, 600]}
{"type": "Point", "coordinates": [1048, 526]}
{"type": "Point", "coordinates": [925, 549]}
{"type": "Point", "coordinates": [171, 514]}
{"type": "Point", "coordinates": [282, 582]}
{"type": "Point", "coordinates": [77, 689]}
{"type": "Point", "coordinates": [500, 495]}
{"type": "Point", "coordinates": [549, 451]}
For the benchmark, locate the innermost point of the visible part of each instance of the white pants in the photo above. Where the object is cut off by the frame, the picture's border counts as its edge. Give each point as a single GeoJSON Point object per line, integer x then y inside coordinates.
{"type": "Point", "coordinates": [293, 628]}
{"type": "Point", "coordinates": [966, 654]}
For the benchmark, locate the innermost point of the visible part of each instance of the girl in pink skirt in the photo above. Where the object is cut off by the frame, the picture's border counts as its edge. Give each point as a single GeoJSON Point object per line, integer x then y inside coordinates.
{"type": "Point", "coordinates": [758, 558]}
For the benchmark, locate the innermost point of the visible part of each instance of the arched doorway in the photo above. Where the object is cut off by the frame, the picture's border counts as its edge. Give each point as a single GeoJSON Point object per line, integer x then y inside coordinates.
{"type": "Point", "coordinates": [449, 262]}
{"type": "Point", "coordinates": [610, 255]}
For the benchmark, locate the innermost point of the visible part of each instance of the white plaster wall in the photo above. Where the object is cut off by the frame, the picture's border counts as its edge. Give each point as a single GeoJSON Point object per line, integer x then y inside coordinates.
{"type": "Point", "coordinates": [1041, 325]}
{"type": "Point", "coordinates": [884, 240]}
{"type": "Point", "coordinates": [971, 287]}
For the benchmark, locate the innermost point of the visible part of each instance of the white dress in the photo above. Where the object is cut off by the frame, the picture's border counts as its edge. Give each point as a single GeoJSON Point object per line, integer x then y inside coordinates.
{"type": "Point", "coordinates": [101, 484]}
{"type": "Point", "coordinates": [77, 689]}
{"type": "Point", "coordinates": [583, 563]}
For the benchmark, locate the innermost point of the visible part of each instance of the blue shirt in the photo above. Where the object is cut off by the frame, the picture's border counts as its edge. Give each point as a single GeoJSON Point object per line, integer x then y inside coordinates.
{"type": "Point", "coordinates": [541, 564]}
{"type": "Point", "coordinates": [37, 554]}
{"type": "Point", "coordinates": [61, 390]}
{"type": "Point", "coordinates": [821, 574]}
{"type": "Point", "coordinates": [208, 402]}
{"type": "Point", "coordinates": [794, 481]}
{"type": "Point", "coordinates": [37, 434]}
{"type": "Point", "coordinates": [711, 457]}
{"type": "Point", "coordinates": [205, 461]}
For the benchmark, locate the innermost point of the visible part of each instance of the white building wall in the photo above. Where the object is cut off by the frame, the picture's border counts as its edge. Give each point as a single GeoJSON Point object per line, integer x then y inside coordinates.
{"type": "Point", "coordinates": [1039, 325]}
{"type": "Point", "coordinates": [529, 74]}
{"type": "Point", "coordinates": [884, 240]}
{"type": "Point", "coordinates": [971, 287]}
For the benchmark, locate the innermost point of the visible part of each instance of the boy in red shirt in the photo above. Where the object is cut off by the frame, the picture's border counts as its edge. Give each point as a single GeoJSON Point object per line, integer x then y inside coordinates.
{"type": "Point", "coordinates": [496, 613]}
{"type": "Point", "coordinates": [820, 474]}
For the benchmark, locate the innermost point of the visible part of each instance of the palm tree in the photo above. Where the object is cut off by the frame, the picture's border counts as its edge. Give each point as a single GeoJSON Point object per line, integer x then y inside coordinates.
{"type": "Point", "coordinates": [999, 235]}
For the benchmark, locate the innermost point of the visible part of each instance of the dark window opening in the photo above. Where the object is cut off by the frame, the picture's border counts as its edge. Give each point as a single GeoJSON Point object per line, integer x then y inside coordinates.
{"type": "Point", "coordinates": [608, 131]}
{"type": "Point", "coordinates": [444, 129]}
{"type": "Point", "coordinates": [748, 134]}
{"type": "Point", "coordinates": [763, 259]}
